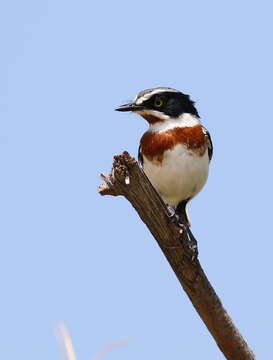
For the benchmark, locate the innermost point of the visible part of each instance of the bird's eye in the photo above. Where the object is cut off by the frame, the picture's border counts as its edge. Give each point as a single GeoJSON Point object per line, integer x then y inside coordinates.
{"type": "Point", "coordinates": [158, 102]}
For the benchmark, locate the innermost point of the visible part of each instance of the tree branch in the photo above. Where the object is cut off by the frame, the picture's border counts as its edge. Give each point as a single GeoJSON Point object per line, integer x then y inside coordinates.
{"type": "Point", "coordinates": [128, 180]}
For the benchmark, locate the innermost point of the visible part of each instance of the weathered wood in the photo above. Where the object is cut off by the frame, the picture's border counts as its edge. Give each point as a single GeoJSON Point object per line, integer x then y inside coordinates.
{"type": "Point", "coordinates": [128, 180]}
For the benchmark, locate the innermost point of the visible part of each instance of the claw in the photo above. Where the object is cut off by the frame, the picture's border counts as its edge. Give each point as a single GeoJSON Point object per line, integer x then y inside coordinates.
{"type": "Point", "coordinates": [171, 210]}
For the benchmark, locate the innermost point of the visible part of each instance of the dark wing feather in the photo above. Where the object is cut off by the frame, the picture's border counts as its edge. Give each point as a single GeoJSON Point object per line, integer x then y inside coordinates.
{"type": "Point", "coordinates": [210, 146]}
{"type": "Point", "coordinates": [140, 156]}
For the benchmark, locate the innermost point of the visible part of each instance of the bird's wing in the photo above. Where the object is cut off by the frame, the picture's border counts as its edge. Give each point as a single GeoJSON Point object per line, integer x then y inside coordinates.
{"type": "Point", "coordinates": [140, 156]}
{"type": "Point", "coordinates": [210, 146]}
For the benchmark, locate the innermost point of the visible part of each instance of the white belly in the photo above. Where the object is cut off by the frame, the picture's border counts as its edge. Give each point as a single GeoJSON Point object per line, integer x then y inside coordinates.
{"type": "Point", "coordinates": [180, 176]}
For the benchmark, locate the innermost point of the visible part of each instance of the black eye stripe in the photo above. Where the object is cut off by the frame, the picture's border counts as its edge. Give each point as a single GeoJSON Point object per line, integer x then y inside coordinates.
{"type": "Point", "coordinates": [174, 104]}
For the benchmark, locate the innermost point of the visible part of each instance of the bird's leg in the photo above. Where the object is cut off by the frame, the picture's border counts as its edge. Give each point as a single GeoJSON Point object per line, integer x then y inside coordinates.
{"type": "Point", "coordinates": [181, 211]}
{"type": "Point", "coordinates": [180, 219]}
{"type": "Point", "coordinates": [191, 242]}
{"type": "Point", "coordinates": [183, 221]}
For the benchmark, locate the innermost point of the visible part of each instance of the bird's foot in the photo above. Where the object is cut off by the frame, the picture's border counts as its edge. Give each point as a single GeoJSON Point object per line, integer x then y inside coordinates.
{"type": "Point", "coordinates": [176, 218]}
{"type": "Point", "coordinates": [173, 216]}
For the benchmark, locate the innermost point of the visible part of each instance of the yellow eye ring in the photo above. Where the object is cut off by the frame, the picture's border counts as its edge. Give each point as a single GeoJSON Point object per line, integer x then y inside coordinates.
{"type": "Point", "coordinates": [158, 102]}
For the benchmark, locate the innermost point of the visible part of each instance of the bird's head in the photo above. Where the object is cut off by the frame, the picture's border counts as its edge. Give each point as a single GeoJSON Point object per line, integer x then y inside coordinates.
{"type": "Point", "coordinates": [160, 104]}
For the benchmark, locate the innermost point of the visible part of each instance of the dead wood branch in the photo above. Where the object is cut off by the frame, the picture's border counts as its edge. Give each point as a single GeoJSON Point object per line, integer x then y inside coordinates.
{"type": "Point", "coordinates": [129, 180]}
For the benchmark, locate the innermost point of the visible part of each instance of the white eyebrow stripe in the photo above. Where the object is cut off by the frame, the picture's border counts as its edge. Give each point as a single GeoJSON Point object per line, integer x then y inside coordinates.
{"type": "Point", "coordinates": [145, 97]}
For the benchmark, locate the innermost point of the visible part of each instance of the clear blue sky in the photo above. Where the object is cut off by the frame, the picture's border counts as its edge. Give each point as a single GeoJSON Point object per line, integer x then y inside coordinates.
{"type": "Point", "coordinates": [68, 254]}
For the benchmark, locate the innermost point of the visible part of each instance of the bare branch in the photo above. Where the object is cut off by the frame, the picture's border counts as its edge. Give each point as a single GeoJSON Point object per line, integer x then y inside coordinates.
{"type": "Point", "coordinates": [129, 180]}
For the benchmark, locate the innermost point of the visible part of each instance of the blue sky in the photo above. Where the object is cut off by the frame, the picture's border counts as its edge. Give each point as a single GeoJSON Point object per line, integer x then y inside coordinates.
{"type": "Point", "coordinates": [68, 254]}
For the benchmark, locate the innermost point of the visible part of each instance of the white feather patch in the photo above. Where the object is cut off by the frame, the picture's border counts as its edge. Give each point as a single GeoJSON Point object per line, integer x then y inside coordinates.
{"type": "Point", "coordinates": [180, 176]}
{"type": "Point", "coordinates": [185, 120]}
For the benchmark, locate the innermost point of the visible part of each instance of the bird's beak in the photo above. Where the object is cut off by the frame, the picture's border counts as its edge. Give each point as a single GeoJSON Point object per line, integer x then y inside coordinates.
{"type": "Point", "coordinates": [129, 107]}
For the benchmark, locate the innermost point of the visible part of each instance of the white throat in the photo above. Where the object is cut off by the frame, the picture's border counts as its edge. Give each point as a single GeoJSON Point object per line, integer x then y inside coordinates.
{"type": "Point", "coordinates": [184, 120]}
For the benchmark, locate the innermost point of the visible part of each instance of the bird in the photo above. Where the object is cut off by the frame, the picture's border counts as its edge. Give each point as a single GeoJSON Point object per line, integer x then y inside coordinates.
{"type": "Point", "coordinates": [176, 151]}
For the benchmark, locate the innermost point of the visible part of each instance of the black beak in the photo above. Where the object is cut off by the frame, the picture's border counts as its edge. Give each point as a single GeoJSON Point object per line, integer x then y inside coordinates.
{"type": "Point", "coordinates": [129, 107]}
